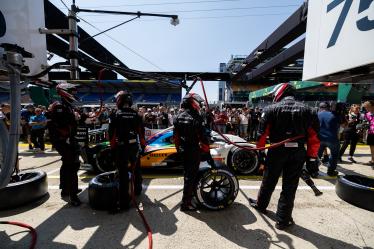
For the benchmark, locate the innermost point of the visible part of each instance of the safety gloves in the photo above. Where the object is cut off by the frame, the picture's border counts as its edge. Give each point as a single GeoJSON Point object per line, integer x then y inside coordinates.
{"type": "Point", "coordinates": [312, 166]}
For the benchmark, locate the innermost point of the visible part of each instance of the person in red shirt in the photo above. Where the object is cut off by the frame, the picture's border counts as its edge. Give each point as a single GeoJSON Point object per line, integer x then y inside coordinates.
{"type": "Point", "coordinates": [220, 121]}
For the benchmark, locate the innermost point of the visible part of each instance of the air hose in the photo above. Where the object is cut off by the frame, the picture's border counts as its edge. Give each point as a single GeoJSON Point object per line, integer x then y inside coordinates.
{"type": "Point", "coordinates": [32, 231]}
{"type": "Point", "coordinates": [305, 175]}
{"type": "Point", "coordinates": [274, 145]}
{"type": "Point", "coordinates": [140, 212]}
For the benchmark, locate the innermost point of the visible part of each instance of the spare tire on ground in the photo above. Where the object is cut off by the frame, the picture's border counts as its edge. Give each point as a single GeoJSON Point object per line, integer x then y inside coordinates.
{"type": "Point", "coordinates": [357, 190]}
{"type": "Point", "coordinates": [217, 188]}
{"type": "Point", "coordinates": [103, 191]}
{"type": "Point", "coordinates": [24, 188]}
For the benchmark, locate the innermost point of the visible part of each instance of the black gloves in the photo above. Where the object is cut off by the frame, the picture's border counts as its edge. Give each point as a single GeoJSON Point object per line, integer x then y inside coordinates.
{"type": "Point", "coordinates": [142, 150]}
{"type": "Point", "coordinates": [261, 157]}
{"type": "Point", "coordinates": [312, 166]}
{"type": "Point", "coordinates": [211, 162]}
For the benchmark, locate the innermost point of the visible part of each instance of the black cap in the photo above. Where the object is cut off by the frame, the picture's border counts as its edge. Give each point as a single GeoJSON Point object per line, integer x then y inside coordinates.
{"type": "Point", "coordinates": [324, 105]}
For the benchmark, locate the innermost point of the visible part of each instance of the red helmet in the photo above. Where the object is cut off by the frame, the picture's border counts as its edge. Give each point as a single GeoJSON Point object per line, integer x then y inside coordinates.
{"type": "Point", "coordinates": [192, 101]}
{"type": "Point", "coordinates": [282, 90]}
{"type": "Point", "coordinates": [123, 97]}
{"type": "Point", "coordinates": [67, 92]}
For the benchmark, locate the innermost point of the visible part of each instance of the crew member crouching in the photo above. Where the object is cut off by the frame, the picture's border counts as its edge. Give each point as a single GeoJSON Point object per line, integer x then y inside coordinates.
{"type": "Point", "coordinates": [126, 133]}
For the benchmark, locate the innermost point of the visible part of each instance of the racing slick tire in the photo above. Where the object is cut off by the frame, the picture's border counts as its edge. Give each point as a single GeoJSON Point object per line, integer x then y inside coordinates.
{"type": "Point", "coordinates": [357, 190]}
{"type": "Point", "coordinates": [243, 161]}
{"type": "Point", "coordinates": [103, 191]}
{"type": "Point", "coordinates": [217, 188]}
{"type": "Point", "coordinates": [24, 188]}
{"type": "Point", "coordinates": [104, 160]}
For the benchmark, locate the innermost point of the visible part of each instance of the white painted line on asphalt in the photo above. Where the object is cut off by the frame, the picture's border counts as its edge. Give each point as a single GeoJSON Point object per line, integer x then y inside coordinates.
{"type": "Point", "coordinates": [177, 187]}
{"type": "Point", "coordinates": [53, 171]}
{"type": "Point", "coordinates": [56, 187]}
{"type": "Point", "coordinates": [81, 172]}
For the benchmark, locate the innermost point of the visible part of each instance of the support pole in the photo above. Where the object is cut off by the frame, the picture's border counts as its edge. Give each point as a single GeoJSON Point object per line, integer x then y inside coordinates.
{"type": "Point", "coordinates": [14, 63]}
{"type": "Point", "coordinates": [73, 43]}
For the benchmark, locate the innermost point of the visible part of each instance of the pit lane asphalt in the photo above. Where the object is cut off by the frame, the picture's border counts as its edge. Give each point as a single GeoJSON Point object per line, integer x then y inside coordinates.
{"type": "Point", "coordinates": [321, 222]}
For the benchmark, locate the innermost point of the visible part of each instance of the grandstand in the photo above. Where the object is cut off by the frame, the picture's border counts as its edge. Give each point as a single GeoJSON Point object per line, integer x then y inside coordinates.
{"type": "Point", "coordinates": [93, 92]}
{"type": "Point", "coordinates": [143, 91]}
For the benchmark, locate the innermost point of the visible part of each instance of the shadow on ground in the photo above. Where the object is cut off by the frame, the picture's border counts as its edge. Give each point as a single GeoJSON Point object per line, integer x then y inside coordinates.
{"type": "Point", "coordinates": [110, 231]}
{"type": "Point", "coordinates": [230, 224]}
{"type": "Point", "coordinates": [320, 241]}
{"type": "Point", "coordinates": [14, 211]}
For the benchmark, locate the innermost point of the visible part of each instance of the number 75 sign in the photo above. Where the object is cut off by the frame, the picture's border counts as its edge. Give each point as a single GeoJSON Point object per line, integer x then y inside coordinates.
{"type": "Point", "coordinates": [363, 23]}
{"type": "Point", "coordinates": [339, 37]}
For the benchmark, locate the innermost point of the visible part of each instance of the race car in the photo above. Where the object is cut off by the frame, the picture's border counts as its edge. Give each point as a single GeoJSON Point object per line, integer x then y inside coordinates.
{"type": "Point", "coordinates": [161, 152]}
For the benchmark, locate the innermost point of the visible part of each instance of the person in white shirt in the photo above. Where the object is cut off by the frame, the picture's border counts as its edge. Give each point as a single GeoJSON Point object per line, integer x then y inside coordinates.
{"type": "Point", "coordinates": [244, 116]}
{"type": "Point", "coordinates": [171, 116]}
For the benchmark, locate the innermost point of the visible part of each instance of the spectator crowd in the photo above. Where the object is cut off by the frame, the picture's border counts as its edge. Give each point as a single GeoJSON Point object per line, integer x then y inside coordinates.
{"type": "Point", "coordinates": [340, 125]}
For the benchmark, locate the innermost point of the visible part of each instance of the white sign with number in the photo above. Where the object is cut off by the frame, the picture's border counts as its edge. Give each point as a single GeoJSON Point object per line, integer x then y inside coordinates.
{"type": "Point", "coordinates": [20, 21]}
{"type": "Point", "coordinates": [339, 36]}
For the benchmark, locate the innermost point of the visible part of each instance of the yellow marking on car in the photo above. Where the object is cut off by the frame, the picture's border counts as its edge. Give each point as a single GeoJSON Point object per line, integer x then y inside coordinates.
{"type": "Point", "coordinates": [158, 155]}
{"type": "Point", "coordinates": [156, 158]}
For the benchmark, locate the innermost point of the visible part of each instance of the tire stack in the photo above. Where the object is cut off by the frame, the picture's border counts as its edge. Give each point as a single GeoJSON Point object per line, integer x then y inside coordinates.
{"type": "Point", "coordinates": [103, 191]}
{"type": "Point", "coordinates": [357, 190]}
{"type": "Point", "coordinates": [24, 188]}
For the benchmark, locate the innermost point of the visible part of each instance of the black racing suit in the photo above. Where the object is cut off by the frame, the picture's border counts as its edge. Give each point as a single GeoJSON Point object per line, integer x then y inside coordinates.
{"type": "Point", "coordinates": [286, 119]}
{"type": "Point", "coordinates": [126, 132]}
{"type": "Point", "coordinates": [62, 128]}
{"type": "Point", "coordinates": [190, 140]}
{"type": "Point", "coordinates": [350, 135]}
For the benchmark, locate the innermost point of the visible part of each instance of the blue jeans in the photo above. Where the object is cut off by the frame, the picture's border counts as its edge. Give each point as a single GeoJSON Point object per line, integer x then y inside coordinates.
{"type": "Point", "coordinates": [334, 148]}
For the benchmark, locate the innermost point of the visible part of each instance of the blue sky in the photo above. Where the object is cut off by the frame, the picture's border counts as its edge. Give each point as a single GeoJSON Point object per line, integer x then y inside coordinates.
{"type": "Point", "coordinates": [210, 31]}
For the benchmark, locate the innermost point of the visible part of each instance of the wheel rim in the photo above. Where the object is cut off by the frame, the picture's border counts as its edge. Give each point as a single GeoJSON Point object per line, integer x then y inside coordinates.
{"type": "Point", "coordinates": [107, 178]}
{"type": "Point", "coordinates": [244, 161]}
{"type": "Point", "coordinates": [22, 177]}
{"type": "Point", "coordinates": [104, 160]}
{"type": "Point", "coordinates": [215, 190]}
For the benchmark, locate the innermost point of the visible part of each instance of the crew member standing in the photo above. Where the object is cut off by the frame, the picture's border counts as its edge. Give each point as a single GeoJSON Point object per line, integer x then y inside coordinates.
{"type": "Point", "coordinates": [126, 133]}
{"type": "Point", "coordinates": [190, 141]}
{"type": "Point", "coordinates": [280, 121]}
{"type": "Point", "coordinates": [62, 128]}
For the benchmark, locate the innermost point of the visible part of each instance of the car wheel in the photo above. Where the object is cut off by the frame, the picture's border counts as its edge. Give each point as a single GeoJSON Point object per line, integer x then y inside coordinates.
{"type": "Point", "coordinates": [243, 161]}
{"type": "Point", "coordinates": [216, 188]}
{"type": "Point", "coordinates": [357, 190]}
{"type": "Point", "coordinates": [104, 160]}
{"type": "Point", "coordinates": [23, 188]}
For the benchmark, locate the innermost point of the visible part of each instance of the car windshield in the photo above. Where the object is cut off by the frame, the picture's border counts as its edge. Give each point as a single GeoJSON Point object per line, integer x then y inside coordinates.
{"type": "Point", "coordinates": [159, 135]}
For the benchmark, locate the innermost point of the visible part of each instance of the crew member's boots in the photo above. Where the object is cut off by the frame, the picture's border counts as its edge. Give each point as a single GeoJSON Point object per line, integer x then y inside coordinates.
{"type": "Point", "coordinates": [75, 201]}
{"type": "Point", "coordinates": [187, 206]}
